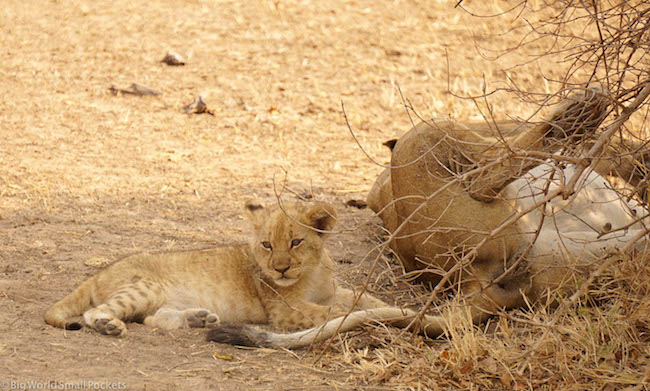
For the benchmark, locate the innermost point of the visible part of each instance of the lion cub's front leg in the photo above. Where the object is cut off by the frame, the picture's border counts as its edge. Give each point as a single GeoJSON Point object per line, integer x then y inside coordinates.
{"type": "Point", "coordinates": [345, 298]}
{"type": "Point", "coordinates": [170, 318]}
{"type": "Point", "coordinates": [303, 315]}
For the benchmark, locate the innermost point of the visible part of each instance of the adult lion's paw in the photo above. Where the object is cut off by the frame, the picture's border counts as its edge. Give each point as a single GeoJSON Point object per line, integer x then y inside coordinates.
{"type": "Point", "coordinates": [581, 113]}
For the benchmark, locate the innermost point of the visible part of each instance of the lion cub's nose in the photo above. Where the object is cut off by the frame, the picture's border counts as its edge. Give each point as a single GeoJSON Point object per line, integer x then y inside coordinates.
{"type": "Point", "coordinates": [281, 269]}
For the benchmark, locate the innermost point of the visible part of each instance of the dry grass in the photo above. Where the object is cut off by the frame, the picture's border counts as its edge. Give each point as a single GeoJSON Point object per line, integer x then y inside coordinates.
{"type": "Point", "coordinates": [600, 344]}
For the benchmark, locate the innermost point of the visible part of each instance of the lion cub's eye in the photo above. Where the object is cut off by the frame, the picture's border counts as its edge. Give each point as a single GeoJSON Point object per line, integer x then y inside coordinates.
{"type": "Point", "coordinates": [296, 243]}
{"type": "Point", "coordinates": [267, 245]}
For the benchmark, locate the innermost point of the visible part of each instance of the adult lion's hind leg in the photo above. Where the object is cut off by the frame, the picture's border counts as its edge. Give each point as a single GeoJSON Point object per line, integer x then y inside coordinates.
{"type": "Point", "coordinates": [579, 114]}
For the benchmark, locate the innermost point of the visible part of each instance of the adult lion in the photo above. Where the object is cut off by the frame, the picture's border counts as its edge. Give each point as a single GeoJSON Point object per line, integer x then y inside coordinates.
{"type": "Point", "coordinates": [481, 204]}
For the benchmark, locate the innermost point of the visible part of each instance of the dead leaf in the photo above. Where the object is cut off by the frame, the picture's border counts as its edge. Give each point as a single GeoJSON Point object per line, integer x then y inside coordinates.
{"type": "Point", "coordinates": [174, 59]}
{"type": "Point", "coordinates": [198, 107]}
{"type": "Point", "coordinates": [97, 262]}
{"type": "Point", "coordinates": [448, 357]}
{"type": "Point", "coordinates": [520, 387]}
{"type": "Point", "coordinates": [506, 380]}
{"type": "Point", "coordinates": [217, 355]}
{"type": "Point", "coordinates": [489, 365]}
{"type": "Point", "coordinates": [135, 89]}
{"type": "Point", "coordinates": [467, 368]}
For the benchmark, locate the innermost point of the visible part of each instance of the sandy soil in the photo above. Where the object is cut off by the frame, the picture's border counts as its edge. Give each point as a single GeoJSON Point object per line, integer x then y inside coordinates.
{"type": "Point", "coordinates": [88, 177]}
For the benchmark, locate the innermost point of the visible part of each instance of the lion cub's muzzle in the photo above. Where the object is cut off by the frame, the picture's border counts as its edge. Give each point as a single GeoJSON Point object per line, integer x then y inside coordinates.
{"type": "Point", "coordinates": [282, 271]}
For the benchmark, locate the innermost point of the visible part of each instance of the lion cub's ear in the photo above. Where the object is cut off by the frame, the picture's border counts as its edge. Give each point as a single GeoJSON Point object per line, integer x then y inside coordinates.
{"type": "Point", "coordinates": [254, 212]}
{"type": "Point", "coordinates": [322, 217]}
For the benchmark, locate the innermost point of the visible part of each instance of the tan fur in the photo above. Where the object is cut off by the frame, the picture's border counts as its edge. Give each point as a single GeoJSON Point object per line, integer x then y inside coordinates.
{"type": "Point", "coordinates": [445, 205]}
{"type": "Point", "coordinates": [288, 285]}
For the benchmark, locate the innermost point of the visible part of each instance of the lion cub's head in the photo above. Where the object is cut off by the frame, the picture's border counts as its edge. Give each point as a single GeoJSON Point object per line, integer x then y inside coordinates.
{"type": "Point", "coordinates": [288, 240]}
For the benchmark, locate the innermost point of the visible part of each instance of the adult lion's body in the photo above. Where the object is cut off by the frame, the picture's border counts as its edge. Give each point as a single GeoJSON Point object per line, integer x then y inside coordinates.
{"type": "Point", "coordinates": [283, 278]}
{"type": "Point", "coordinates": [471, 198]}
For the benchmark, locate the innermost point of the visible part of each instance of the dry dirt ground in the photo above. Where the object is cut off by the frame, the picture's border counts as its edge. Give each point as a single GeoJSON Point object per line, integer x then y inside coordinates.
{"type": "Point", "coordinates": [88, 177]}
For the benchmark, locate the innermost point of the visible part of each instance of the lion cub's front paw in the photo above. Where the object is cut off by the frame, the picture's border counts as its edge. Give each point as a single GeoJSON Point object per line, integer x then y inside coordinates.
{"type": "Point", "coordinates": [200, 318]}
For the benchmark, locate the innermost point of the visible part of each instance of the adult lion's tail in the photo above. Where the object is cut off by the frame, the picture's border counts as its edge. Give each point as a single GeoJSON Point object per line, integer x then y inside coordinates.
{"type": "Point", "coordinates": [66, 312]}
{"type": "Point", "coordinates": [245, 335]}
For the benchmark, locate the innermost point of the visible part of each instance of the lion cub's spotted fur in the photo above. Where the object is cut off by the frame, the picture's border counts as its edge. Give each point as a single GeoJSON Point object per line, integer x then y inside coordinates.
{"type": "Point", "coordinates": [283, 277]}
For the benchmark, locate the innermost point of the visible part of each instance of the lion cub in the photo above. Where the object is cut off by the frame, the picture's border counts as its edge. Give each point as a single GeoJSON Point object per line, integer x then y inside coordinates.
{"type": "Point", "coordinates": [283, 278]}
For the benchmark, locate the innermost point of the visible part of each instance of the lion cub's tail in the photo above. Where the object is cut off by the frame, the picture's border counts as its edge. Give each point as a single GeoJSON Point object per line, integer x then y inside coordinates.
{"type": "Point", "coordinates": [245, 335]}
{"type": "Point", "coordinates": [66, 312]}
